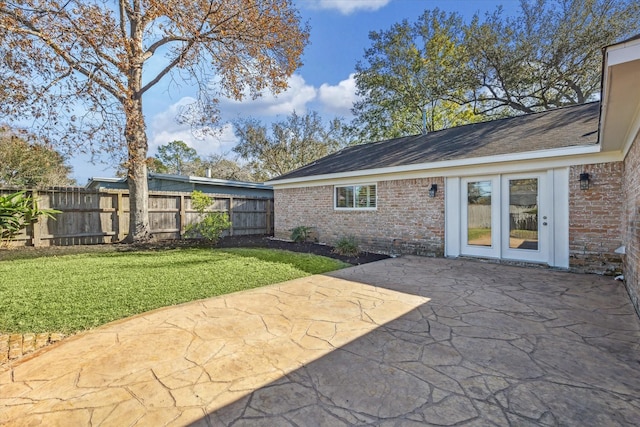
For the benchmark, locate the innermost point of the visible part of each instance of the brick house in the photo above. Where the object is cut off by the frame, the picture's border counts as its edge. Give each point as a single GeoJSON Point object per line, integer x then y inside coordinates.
{"type": "Point", "coordinates": [559, 187]}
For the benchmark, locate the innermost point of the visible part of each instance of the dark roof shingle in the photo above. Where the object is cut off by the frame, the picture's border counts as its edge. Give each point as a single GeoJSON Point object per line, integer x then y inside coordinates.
{"type": "Point", "coordinates": [563, 127]}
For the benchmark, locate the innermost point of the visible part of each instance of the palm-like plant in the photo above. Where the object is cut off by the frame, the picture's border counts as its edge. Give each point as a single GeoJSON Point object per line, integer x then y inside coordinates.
{"type": "Point", "coordinates": [18, 210]}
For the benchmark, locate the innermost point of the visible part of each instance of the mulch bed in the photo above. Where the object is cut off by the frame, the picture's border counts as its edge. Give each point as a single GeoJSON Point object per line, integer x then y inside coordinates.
{"type": "Point", "coordinates": [305, 247]}
{"type": "Point", "coordinates": [253, 241]}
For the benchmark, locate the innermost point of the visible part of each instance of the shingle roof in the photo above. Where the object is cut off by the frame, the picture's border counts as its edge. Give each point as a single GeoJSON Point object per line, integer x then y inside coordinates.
{"type": "Point", "coordinates": [563, 127]}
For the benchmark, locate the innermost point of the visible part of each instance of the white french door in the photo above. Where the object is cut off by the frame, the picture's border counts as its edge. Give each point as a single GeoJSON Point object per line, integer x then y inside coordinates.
{"type": "Point", "coordinates": [480, 216]}
{"type": "Point", "coordinates": [525, 217]}
{"type": "Point", "coordinates": [505, 216]}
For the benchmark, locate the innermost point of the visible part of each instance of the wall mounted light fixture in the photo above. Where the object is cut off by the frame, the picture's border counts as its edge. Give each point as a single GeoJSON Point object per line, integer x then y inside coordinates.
{"type": "Point", "coordinates": [433, 190]}
{"type": "Point", "coordinates": [584, 181]}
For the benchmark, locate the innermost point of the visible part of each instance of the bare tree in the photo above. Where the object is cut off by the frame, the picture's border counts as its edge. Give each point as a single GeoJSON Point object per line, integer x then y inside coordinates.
{"type": "Point", "coordinates": [78, 69]}
{"type": "Point", "coordinates": [292, 143]}
{"type": "Point", "coordinates": [548, 56]}
{"type": "Point", "coordinates": [222, 167]}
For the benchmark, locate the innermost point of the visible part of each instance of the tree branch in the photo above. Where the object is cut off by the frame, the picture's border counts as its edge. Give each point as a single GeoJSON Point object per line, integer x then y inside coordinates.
{"type": "Point", "coordinates": [168, 68]}
{"type": "Point", "coordinates": [30, 29]}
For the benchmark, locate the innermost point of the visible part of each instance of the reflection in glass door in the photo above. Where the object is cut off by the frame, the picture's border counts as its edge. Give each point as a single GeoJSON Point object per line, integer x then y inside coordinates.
{"type": "Point", "coordinates": [525, 229]}
{"type": "Point", "coordinates": [523, 214]}
{"type": "Point", "coordinates": [480, 216]}
{"type": "Point", "coordinates": [479, 213]}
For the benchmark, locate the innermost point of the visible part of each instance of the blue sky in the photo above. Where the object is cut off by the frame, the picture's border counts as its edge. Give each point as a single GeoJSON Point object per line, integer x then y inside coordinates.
{"type": "Point", "coordinates": [339, 36]}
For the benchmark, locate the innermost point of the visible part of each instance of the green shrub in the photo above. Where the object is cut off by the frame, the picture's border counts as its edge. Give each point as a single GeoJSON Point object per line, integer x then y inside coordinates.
{"type": "Point", "coordinates": [347, 246]}
{"type": "Point", "coordinates": [17, 210]}
{"type": "Point", "coordinates": [211, 224]}
{"type": "Point", "coordinates": [301, 234]}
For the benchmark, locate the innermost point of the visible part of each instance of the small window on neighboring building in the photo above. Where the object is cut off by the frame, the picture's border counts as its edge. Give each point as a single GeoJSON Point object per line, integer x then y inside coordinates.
{"type": "Point", "coordinates": [355, 196]}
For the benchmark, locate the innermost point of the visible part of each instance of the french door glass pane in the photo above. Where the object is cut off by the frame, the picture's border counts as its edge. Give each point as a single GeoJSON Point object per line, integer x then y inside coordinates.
{"type": "Point", "coordinates": [479, 213]}
{"type": "Point", "coordinates": [523, 214]}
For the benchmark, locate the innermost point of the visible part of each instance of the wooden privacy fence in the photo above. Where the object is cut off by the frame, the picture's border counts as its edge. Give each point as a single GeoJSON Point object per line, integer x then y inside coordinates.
{"type": "Point", "coordinates": [520, 217]}
{"type": "Point", "coordinates": [102, 216]}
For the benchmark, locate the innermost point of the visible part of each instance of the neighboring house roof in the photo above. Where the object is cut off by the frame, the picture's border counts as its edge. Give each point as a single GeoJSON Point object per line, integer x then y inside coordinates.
{"type": "Point", "coordinates": [168, 182]}
{"type": "Point", "coordinates": [559, 128]}
{"type": "Point", "coordinates": [209, 181]}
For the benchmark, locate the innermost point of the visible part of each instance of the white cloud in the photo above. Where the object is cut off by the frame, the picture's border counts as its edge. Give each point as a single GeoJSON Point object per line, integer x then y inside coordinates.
{"type": "Point", "coordinates": [334, 100]}
{"type": "Point", "coordinates": [295, 98]}
{"type": "Point", "coordinates": [220, 143]}
{"type": "Point", "coordinates": [164, 128]}
{"type": "Point", "coordinates": [348, 6]}
{"type": "Point", "coordinates": [339, 99]}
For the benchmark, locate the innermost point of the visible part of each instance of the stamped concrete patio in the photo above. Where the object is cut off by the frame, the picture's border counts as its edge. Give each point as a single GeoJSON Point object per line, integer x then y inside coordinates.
{"type": "Point", "coordinates": [402, 342]}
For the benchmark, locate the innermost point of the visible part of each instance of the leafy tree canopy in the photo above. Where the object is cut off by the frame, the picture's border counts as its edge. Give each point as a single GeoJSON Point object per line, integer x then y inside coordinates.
{"type": "Point", "coordinates": [177, 158]}
{"type": "Point", "coordinates": [292, 143]}
{"type": "Point", "coordinates": [412, 78]}
{"type": "Point", "coordinates": [451, 72]}
{"type": "Point", "coordinates": [30, 165]}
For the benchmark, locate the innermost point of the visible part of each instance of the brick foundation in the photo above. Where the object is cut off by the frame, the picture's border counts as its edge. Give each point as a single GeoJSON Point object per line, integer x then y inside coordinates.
{"type": "Point", "coordinates": [631, 222]}
{"type": "Point", "coordinates": [594, 219]}
{"type": "Point", "coordinates": [406, 221]}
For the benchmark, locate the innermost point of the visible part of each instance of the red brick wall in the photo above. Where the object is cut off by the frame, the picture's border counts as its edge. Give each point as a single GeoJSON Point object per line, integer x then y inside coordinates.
{"type": "Point", "coordinates": [407, 220]}
{"type": "Point", "coordinates": [631, 222]}
{"type": "Point", "coordinates": [595, 230]}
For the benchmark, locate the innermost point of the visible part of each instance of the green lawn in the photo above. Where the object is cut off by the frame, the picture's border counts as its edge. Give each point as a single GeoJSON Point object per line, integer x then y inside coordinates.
{"type": "Point", "coordinates": [477, 233]}
{"type": "Point", "coordinates": [75, 292]}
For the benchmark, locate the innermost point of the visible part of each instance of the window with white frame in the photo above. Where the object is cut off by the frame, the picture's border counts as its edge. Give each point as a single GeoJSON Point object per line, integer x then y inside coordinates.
{"type": "Point", "coordinates": [355, 196]}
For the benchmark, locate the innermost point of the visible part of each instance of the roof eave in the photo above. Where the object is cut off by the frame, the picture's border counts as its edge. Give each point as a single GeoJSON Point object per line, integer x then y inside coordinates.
{"type": "Point", "coordinates": [210, 181]}
{"type": "Point", "coordinates": [96, 180]}
{"type": "Point", "coordinates": [620, 110]}
{"type": "Point", "coordinates": [457, 163]}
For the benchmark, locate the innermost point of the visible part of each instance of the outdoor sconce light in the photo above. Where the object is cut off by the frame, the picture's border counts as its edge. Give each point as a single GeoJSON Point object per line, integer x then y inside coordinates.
{"type": "Point", "coordinates": [584, 181]}
{"type": "Point", "coordinates": [433, 190]}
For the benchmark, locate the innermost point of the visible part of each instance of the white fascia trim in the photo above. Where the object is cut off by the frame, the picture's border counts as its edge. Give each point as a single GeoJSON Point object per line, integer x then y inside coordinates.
{"type": "Point", "coordinates": [110, 179]}
{"type": "Point", "coordinates": [615, 55]}
{"type": "Point", "coordinates": [623, 52]}
{"type": "Point", "coordinates": [543, 159]}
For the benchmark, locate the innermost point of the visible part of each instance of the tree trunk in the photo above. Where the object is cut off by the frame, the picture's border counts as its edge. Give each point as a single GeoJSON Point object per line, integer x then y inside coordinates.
{"type": "Point", "coordinates": [139, 230]}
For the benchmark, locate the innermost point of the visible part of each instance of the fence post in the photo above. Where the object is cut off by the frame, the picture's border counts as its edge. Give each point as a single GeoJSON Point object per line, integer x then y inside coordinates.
{"type": "Point", "coordinates": [231, 215]}
{"type": "Point", "coordinates": [119, 215]}
{"type": "Point", "coordinates": [181, 219]}
{"type": "Point", "coordinates": [35, 237]}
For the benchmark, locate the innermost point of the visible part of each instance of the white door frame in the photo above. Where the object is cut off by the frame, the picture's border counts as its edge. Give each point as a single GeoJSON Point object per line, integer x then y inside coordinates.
{"type": "Point", "coordinates": [556, 190]}
{"type": "Point", "coordinates": [541, 254]}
